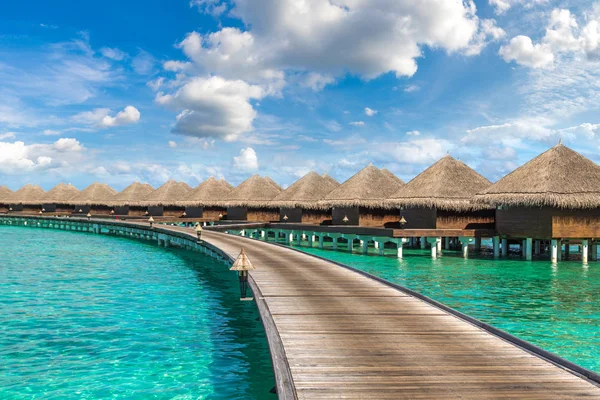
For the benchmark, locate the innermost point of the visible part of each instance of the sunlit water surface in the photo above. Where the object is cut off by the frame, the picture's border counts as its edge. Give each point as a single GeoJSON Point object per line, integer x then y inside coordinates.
{"type": "Point", "coordinates": [86, 316]}
{"type": "Point", "coordinates": [556, 307]}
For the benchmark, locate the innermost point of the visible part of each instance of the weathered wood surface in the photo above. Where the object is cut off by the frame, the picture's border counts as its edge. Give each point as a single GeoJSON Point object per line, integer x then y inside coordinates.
{"type": "Point", "coordinates": [348, 336]}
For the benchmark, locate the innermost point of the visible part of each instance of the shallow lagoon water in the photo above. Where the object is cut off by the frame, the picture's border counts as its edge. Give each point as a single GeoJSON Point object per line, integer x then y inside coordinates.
{"type": "Point", "coordinates": [88, 316]}
{"type": "Point", "coordinates": [556, 307]}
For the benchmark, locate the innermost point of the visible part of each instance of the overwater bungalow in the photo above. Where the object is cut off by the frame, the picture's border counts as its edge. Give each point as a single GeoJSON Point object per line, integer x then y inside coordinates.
{"type": "Point", "coordinates": [202, 201]}
{"type": "Point", "coordinates": [251, 200]}
{"type": "Point", "coordinates": [441, 197]}
{"type": "Point", "coordinates": [361, 200]}
{"type": "Point", "coordinates": [93, 199]}
{"type": "Point", "coordinates": [166, 200]}
{"type": "Point", "coordinates": [555, 197]}
{"type": "Point", "coordinates": [127, 201]}
{"type": "Point", "coordinates": [5, 194]}
{"type": "Point", "coordinates": [57, 200]}
{"type": "Point", "coordinates": [28, 199]}
{"type": "Point", "coordinates": [300, 202]}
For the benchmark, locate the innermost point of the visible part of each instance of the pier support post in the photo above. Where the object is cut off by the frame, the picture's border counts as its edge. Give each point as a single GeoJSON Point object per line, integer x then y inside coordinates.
{"type": "Point", "coordinates": [465, 241]}
{"type": "Point", "coordinates": [584, 251]}
{"type": "Point", "coordinates": [335, 243]}
{"type": "Point", "coordinates": [321, 241]}
{"type": "Point", "coordinates": [350, 244]}
{"type": "Point", "coordinates": [423, 242]}
{"type": "Point", "coordinates": [263, 234]}
{"type": "Point", "coordinates": [478, 243]}
{"type": "Point", "coordinates": [399, 252]}
{"type": "Point", "coordinates": [496, 242]}
{"type": "Point", "coordinates": [567, 252]}
{"type": "Point", "coordinates": [594, 250]}
{"type": "Point", "coordinates": [554, 245]}
{"type": "Point", "coordinates": [439, 246]}
{"type": "Point", "coordinates": [435, 243]}
{"type": "Point", "coordinates": [299, 239]}
{"type": "Point", "coordinates": [381, 247]}
{"type": "Point", "coordinates": [365, 246]}
{"type": "Point", "coordinates": [504, 247]}
{"type": "Point", "coordinates": [447, 243]}
{"type": "Point", "coordinates": [528, 247]}
{"type": "Point", "coordinates": [537, 247]}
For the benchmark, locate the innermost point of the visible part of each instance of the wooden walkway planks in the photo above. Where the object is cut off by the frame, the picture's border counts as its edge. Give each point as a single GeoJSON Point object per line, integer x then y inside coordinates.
{"type": "Point", "coordinates": [348, 336]}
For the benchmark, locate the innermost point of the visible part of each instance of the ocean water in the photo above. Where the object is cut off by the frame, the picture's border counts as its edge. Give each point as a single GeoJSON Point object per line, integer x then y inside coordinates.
{"type": "Point", "coordinates": [556, 307]}
{"type": "Point", "coordinates": [86, 316]}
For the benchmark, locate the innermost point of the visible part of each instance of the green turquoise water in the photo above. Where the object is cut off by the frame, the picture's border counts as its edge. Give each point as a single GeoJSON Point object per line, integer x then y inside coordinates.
{"type": "Point", "coordinates": [86, 316]}
{"type": "Point", "coordinates": [554, 307]}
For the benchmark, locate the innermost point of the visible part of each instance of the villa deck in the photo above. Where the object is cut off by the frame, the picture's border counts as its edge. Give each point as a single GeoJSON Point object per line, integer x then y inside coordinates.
{"type": "Point", "coordinates": [345, 335]}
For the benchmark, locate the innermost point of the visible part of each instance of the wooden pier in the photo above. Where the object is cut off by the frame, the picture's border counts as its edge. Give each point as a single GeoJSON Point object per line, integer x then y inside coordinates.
{"type": "Point", "coordinates": [335, 333]}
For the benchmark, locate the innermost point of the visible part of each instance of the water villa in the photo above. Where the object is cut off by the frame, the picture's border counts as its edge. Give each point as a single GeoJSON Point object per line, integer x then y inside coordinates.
{"type": "Point", "coordinates": [127, 201]}
{"type": "Point", "coordinates": [202, 202]}
{"type": "Point", "coordinates": [361, 200]}
{"type": "Point", "coordinates": [441, 197]}
{"type": "Point", "coordinates": [93, 199]}
{"type": "Point", "coordinates": [555, 197]}
{"type": "Point", "coordinates": [252, 200]}
{"type": "Point", "coordinates": [5, 194]}
{"type": "Point", "coordinates": [166, 200]}
{"type": "Point", "coordinates": [28, 199]}
{"type": "Point", "coordinates": [300, 202]}
{"type": "Point", "coordinates": [57, 200]}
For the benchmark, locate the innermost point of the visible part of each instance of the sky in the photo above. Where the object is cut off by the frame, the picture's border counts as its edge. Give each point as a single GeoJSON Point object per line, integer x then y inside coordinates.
{"type": "Point", "coordinates": [154, 90]}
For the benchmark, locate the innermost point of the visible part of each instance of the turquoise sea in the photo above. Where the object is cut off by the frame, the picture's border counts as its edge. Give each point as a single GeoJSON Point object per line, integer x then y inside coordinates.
{"type": "Point", "coordinates": [554, 307]}
{"type": "Point", "coordinates": [86, 316]}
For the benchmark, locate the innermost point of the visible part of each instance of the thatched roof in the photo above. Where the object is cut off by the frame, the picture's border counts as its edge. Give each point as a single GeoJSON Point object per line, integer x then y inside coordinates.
{"type": "Point", "coordinates": [306, 192]}
{"type": "Point", "coordinates": [370, 187]}
{"type": "Point", "coordinates": [61, 193]}
{"type": "Point", "coordinates": [272, 182]}
{"type": "Point", "coordinates": [227, 184]}
{"type": "Point", "coordinates": [330, 179]}
{"type": "Point", "coordinates": [559, 177]}
{"type": "Point", "coordinates": [171, 193]}
{"type": "Point", "coordinates": [96, 193]}
{"type": "Point", "coordinates": [449, 184]}
{"type": "Point", "coordinates": [28, 194]}
{"type": "Point", "coordinates": [391, 175]}
{"type": "Point", "coordinates": [132, 194]}
{"type": "Point", "coordinates": [208, 193]}
{"type": "Point", "coordinates": [5, 193]}
{"type": "Point", "coordinates": [255, 191]}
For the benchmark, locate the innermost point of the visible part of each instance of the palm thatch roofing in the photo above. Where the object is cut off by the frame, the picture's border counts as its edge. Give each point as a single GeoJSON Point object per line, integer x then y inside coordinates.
{"type": "Point", "coordinates": [95, 194]}
{"type": "Point", "coordinates": [559, 177]}
{"type": "Point", "coordinates": [28, 194]}
{"type": "Point", "coordinates": [227, 184]}
{"type": "Point", "coordinates": [61, 194]}
{"type": "Point", "coordinates": [370, 188]}
{"type": "Point", "coordinates": [171, 193]}
{"type": "Point", "coordinates": [330, 179]}
{"type": "Point", "coordinates": [255, 191]}
{"type": "Point", "coordinates": [208, 193]}
{"type": "Point", "coordinates": [132, 194]}
{"type": "Point", "coordinates": [306, 192]}
{"type": "Point", "coordinates": [5, 193]}
{"type": "Point", "coordinates": [449, 184]}
{"type": "Point", "coordinates": [272, 182]}
{"type": "Point", "coordinates": [391, 175]}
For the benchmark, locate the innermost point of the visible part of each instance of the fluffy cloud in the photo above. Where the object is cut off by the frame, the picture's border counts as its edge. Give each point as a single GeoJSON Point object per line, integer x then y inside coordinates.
{"type": "Point", "coordinates": [522, 50]}
{"type": "Point", "coordinates": [172, 144]}
{"type": "Point", "coordinates": [502, 6]}
{"type": "Point", "coordinates": [113, 54]}
{"type": "Point", "coordinates": [130, 115]}
{"type": "Point", "coordinates": [213, 107]}
{"type": "Point", "coordinates": [413, 133]}
{"type": "Point", "coordinates": [417, 151]}
{"type": "Point", "coordinates": [357, 123]}
{"type": "Point", "coordinates": [247, 160]}
{"type": "Point", "coordinates": [7, 135]}
{"type": "Point", "coordinates": [369, 112]}
{"type": "Point", "coordinates": [19, 158]}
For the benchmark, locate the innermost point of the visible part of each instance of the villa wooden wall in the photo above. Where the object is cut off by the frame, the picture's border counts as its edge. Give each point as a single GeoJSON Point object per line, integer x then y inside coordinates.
{"type": "Point", "coordinates": [137, 211]}
{"type": "Point", "coordinates": [419, 218]}
{"type": "Point", "coordinates": [376, 217]}
{"type": "Point", "coordinates": [546, 223]}
{"type": "Point", "coordinates": [263, 214]}
{"type": "Point", "coordinates": [100, 210]}
{"type": "Point", "coordinates": [3, 208]}
{"type": "Point", "coordinates": [292, 214]}
{"type": "Point", "coordinates": [173, 211]}
{"type": "Point", "coordinates": [237, 213]}
{"type": "Point", "coordinates": [318, 217]}
{"type": "Point", "coordinates": [212, 213]}
{"type": "Point", "coordinates": [339, 213]}
{"type": "Point", "coordinates": [483, 219]}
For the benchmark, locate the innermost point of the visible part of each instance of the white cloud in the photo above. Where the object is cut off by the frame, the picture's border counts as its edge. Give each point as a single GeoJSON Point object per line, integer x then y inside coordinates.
{"type": "Point", "coordinates": [212, 7]}
{"type": "Point", "coordinates": [333, 126]}
{"type": "Point", "coordinates": [156, 84]}
{"type": "Point", "coordinates": [246, 161]}
{"type": "Point", "coordinates": [502, 6]}
{"type": "Point", "coordinates": [143, 63]}
{"type": "Point", "coordinates": [130, 115]}
{"type": "Point", "coordinates": [172, 144]}
{"type": "Point", "coordinates": [18, 158]}
{"type": "Point", "coordinates": [213, 107]}
{"type": "Point", "coordinates": [51, 132]}
{"type": "Point", "coordinates": [357, 123]}
{"type": "Point", "coordinates": [522, 50]}
{"type": "Point", "coordinates": [416, 151]}
{"type": "Point", "coordinates": [68, 145]}
{"type": "Point", "coordinates": [317, 81]}
{"type": "Point", "coordinates": [369, 112]}
{"type": "Point", "coordinates": [91, 117]}
{"type": "Point", "coordinates": [113, 54]}
{"type": "Point", "coordinates": [412, 88]}
{"type": "Point", "coordinates": [7, 135]}
{"type": "Point", "coordinates": [413, 133]}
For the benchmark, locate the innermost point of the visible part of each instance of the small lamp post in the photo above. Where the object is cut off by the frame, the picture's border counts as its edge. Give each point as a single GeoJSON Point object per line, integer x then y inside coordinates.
{"type": "Point", "coordinates": [80, 211]}
{"type": "Point", "coordinates": [40, 212]}
{"type": "Point", "coordinates": [184, 214]}
{"type": "Point", "coordinates": [220, 216]}
{"type": "Point", "coordinates": [43, 210]}
{"type": "Point", "coordinates": [285, 218]}
{"type": "Point", "coordinates": [403, 222]}
{"type": "Point", "coordinates": [146, 213]}
{"type": "Point", "coordinates": [112, 212]}
{"type": "Point", "coordinates": [89, 216]}
{"type": "Point", "coordinates": [242, 265]}
{"type": "Point", "coordinates": [345, 219]}
{"type": "Point", "coordinates": [198, 229]}
{"type": "Point", "coordinates": [151, 220]}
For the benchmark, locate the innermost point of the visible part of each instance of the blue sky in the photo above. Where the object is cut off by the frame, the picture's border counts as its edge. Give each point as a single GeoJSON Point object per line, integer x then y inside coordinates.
{"type": "Point", "coordinates": [153, 90]}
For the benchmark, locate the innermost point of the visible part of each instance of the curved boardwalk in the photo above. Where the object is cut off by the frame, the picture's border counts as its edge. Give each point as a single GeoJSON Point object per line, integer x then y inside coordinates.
{"type": "Point", "coordinates": [348, 336]}
{"type": "Point", "coordinates": [345, 335]}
